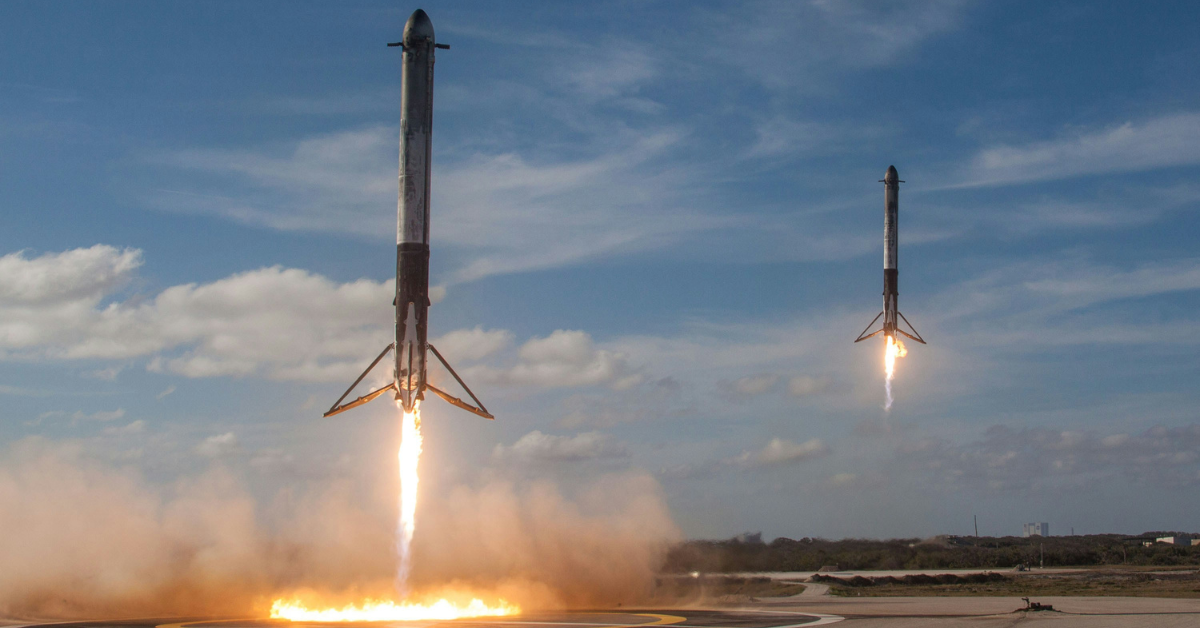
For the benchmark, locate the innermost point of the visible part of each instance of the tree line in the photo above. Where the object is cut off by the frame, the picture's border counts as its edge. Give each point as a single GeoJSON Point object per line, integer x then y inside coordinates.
{"type": "Point", "coordinates": [943, 552]}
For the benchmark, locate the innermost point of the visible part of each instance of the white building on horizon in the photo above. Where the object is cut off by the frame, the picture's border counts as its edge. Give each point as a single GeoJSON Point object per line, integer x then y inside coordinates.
{"type": "Point", "coordinates": [1037, 529]}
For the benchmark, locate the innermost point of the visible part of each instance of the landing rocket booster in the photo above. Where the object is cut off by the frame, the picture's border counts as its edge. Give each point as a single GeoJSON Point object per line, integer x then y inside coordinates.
{"type": "Point", "coordinates": [891, 248]}
{"type": "Point", "coordinates": [409, 381]}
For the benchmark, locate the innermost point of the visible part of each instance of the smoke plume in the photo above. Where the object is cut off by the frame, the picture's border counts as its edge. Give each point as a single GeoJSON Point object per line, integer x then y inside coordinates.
{"type": "Point", "coordinates": [83, 538]}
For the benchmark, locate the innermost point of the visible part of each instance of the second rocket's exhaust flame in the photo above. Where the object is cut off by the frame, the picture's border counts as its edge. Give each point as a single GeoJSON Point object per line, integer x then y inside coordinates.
{"type": "Point", "coordinates": [409, 458]}
{"type": "Point", "coordinates": [895, 349]}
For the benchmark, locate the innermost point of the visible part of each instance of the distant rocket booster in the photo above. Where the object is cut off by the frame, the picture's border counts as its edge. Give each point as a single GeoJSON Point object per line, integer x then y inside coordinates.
{"type": "Point", "coordinates": [891, 272]}
{"type": "Point", "coordinates": [409, 381]}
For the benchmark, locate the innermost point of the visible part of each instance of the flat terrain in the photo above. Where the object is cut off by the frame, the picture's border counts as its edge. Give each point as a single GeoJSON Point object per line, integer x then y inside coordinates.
{"type": "Point", "coordinates": [690, 618]}
{"type": "Point", "coordinates": [761, 602]}
{"type": "Point", "coordinates": [1131, 582]}
{"type": "Point", "coordinates": [807, 609]}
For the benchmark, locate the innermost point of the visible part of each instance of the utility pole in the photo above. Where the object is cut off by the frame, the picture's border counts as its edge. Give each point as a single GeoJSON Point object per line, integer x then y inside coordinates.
{"type": "Point", "coordinates": [976, 525]}
{"type": "Point", "coordinates": [1042, 548]}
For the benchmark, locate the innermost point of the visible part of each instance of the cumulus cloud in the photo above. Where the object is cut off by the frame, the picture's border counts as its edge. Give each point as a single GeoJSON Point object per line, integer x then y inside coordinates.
{"type": "Point", "coordinates": [471, 345]}
{"type": "Point", "coordinates": [1019, 459]}
{"type": "Point", "coordinates": [538, 447]}
{"type": "Point", "coordinates": [278, 323]}
{"type": "Point", "coordinates": [67, 278]}
{"type": "Point", "coordinates": [285, 324]}
{"type": "Point", "coordinates": [782, 451]}
{"type": "Point", "coordinates": [563, 359]}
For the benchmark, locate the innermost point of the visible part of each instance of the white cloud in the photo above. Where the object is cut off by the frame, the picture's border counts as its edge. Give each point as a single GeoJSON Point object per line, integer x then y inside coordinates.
{"type": "Point", "coordinates": [1046, 302]}
{"type": "Point", "coordinates": [110, 415]}
{"type": "Point", "coordinates": [1020, 459]}
{"type": "Point", "coordinates": [285, 324]}
{"type": "Point", "coordinates": [563, 359]}
{"type": "Point", "coordinates": [67, 278]}
{"type": "Point", "coordinates": [501, 212]}
{"type": "Point", "coordinates": [807, 385]}
{"type": "Point", "coordinates": [617, 71]}
{"type": "Point", "coordinates": [471, 345]}
{"type": "Point", "coordinates": [167, 391]}
{"type": "Point", "coordinates": [1166, 141]}
{"type": "Point", "coordinates": [752, 385]}
{"type": "Point", "coordinates": [843, 479]}
{"type": "Point", "coordinates": [218, 445]}
{"type": "Point", "coordinates": [538, 447]}
{"type": "Point", "coordinates": [136, 427]}
{"type": "Point", "coordinates": [782, 451]}
{"type": "Point", "coordinates": [796, 44]}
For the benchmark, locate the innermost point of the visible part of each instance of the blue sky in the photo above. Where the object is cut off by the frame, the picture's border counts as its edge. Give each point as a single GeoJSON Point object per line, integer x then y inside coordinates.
{"type": "Point", "coordinates": [657, 228]}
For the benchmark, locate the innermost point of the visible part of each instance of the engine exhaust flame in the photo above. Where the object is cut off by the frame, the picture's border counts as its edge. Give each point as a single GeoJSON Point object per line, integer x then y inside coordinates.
{"type": "Point", "coordinates": [386, 610]}
{"type": "Point", "coordinates": [895, 349]}
{"type": "Point", "coordinates": [409, 458]}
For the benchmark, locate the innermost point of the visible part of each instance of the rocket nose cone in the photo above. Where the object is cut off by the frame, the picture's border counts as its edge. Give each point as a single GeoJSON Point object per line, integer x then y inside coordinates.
{"type": "Point", "coordinates": [891, 175]}
{"type": "Point", "coordinates": [418, 28]}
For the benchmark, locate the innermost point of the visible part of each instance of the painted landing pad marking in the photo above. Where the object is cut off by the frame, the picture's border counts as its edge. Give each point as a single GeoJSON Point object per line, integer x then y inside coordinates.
{"type": "Point", "coordinates": [660, 620]}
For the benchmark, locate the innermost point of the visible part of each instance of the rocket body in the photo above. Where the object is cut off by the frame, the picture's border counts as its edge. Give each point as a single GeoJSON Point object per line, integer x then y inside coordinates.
{"type": "Point", "coordinates": [891, 266]}
{"type": "Point", "coordinates": [891, 250]}
{"type": "Point", "coordinates": [409, 381]}
{"type": "Point", "coordinates": [412, 225]}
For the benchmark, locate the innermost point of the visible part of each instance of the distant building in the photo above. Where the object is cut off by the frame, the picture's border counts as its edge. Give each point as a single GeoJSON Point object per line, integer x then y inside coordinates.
{"type": "Point", "coordinates": [1037, 529]}
{"type": "Point", "coordinates": [1178, 539]}
{"type": "Point", "coordinates": [754, 538]}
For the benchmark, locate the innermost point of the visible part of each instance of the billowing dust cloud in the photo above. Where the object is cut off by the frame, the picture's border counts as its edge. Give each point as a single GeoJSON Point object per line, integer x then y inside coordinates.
{"type": "Point", "coordinates": [84, 539]}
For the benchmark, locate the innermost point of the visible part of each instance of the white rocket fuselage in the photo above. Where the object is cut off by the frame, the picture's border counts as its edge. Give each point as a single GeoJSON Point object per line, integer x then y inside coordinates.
{"type": "Point", "coordinates": [412, 225]}
{"type": "Point", "coordinates": [409, 381]}
{"type": "Point", "coordinates": [891, 250]}
{"type": "Point", "coordinates": [891, 266]}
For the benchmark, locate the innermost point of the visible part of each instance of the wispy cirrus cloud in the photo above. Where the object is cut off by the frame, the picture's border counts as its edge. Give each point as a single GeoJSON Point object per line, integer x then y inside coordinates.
{"type": "Point", "coordinates": [798, 44]}
{"type": "Point", "coordinates": [1159, 142]}
{"type": "Point", "coordinates": [503, 213]}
